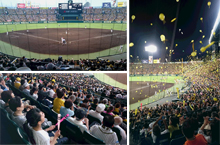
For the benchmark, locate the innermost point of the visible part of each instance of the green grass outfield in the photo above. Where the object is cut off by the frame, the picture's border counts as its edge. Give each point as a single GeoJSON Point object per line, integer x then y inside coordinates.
{"type": "Point", "coordinates": [158, 96]}
{"type": "Point", "coordinates": [170, 79]}
{"type": "Point", "coordinates": [16, 51]}
{"type": "Point", "coordinates": [108, 80]}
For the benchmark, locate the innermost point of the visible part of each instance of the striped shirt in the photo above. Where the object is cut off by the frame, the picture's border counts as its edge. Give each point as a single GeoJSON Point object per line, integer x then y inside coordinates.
{"type": "Point", "coordinates": [104, 133]}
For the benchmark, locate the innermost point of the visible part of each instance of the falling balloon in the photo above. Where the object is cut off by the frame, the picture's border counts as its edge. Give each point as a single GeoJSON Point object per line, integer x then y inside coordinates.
{"type": "Point", "coordinates": [133, 17]}
{"type": "Point", "coordinates": [203, 49]}
{"type": "Point", "coordinates": [200, 31]}
{"type": "Point", "coordinates": [131, 44]}
{"type": "Point", "coordinates": [209, 4]}
{"type": "Point", "coordinates": [194, 53]}
{"type": "Point", "coordinates": [200, 42]}
{"type": "Point", "coordinates": [201, 19]}
{"type": "Point", "coordinates": [162, 37]}
{"type": "Point", "coordinates": [162, 17]}
{"type": "Point", "coordinates": [173, 20]}
{"type": "Point", "coordinates": [203, 36]}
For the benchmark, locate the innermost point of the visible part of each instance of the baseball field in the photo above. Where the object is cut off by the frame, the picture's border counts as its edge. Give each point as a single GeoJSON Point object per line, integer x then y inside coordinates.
{"type": "Point", "coordinates": [43, 40]}
{"type": "Point", "coordinates": [148, 89]}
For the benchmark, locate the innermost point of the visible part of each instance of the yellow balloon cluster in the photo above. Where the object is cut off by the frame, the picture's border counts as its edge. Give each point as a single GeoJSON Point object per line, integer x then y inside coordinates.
{"type": "Point", "coordinates": [131, 44]}
{"type": "Point", "coordinates": [133, 17]}
{"type": "Point", "coordinates": [162, 17]}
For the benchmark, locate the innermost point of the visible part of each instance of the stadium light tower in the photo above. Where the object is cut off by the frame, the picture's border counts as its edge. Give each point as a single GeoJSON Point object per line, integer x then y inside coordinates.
{"type": "Point", "coordinates": [151, 48]}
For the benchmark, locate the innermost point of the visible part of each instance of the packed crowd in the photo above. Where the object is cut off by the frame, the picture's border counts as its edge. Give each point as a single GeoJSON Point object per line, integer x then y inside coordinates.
{"type": "Point", "coordinates": [30, 15]}
{"type": "Point", "coordinates": [27, 15]}
{"type": "Point", "coordinates": [193, 120]}
{"type": "Point", "coordinates": [105, 14]}
{"type": "Point", "coordinates": [94, 115]}
{"type": "Point", "coordinates": [23, 63]}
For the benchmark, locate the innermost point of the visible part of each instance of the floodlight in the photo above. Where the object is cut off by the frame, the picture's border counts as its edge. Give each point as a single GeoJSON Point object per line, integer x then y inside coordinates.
{"type": "Point", "coordinates": [215, 26]}
{"type": "Point", "coordinates": [151, 48]}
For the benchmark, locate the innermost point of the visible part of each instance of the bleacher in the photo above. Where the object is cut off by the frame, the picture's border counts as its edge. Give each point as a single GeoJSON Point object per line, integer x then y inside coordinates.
{"type": "Point", "coordinates": [69, 130]}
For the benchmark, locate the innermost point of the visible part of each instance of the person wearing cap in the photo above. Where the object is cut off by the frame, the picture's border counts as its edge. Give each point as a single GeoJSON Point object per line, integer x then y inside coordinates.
{"type": "Point", "coordinates": [118, 121]}
{"type": "Point", "coordinates": [26, 89]}
{"type": "Point", "coordinates": [104, 131]}
{"type": "Point", "coordinates": [17, 82]}
{"type": "Point", "coordinates": [79, 119]}
{"type": "Point", "coordinates": [97, 113]}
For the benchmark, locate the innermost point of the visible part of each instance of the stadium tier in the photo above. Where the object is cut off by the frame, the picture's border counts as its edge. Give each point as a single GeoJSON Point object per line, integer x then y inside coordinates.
{"type": "Point", "coordinates": [87, 104]}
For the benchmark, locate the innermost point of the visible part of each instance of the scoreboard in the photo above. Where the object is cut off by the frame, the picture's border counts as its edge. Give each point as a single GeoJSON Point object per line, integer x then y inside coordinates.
{"type": "Point", "coordinates": [70, 8]}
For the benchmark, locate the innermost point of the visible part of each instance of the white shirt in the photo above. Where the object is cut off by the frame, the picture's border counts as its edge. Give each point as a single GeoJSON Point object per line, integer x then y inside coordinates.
{"type": "Point", "coordinates": [105, 134]}
{"type": "Point", "coordinates": [79, 124]}
{"type": "Point", "coordinates": [51, 93]}
{"type": "Point", "coordinates": [122, 132]}
{"type": "Point", "coordinates": [155, 137]}
{"type": "Point", "coordinates": [35, 96]}
{"type": "Point", "coordinates": [96, 115]}
{"type": "Point", "coordinates": [41, 137]}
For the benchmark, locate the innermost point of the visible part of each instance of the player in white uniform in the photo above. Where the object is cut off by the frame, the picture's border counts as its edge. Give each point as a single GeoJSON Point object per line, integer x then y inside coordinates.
{"type": "Point", "coordinates": [12, 30]}
{"type": "Point", "coordinates": [121, 46]}
{"type": "Point", "coordinates": [59, 24]}
{"type": "Point", "coordinates": [45, 27]}
{"type": "Point", "coordinates": [63, 41]}
{"type": "Point", "coordinates": [111, 30]}
{"type": "Point", "coordinates": [27, 31]}
{"type": "Point", "coordinates": [6, 33]}
{"type": "Point", "coordinates": [66, 32]}
{"type": "Point", "coordinates": [85, 27]}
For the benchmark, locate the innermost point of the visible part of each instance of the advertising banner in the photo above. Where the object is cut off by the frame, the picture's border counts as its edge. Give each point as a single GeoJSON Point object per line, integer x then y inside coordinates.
{"type": "Point", "coordinates": [122, 4]}
{"type": "Point", "coordinates": [88, 7]}
{"type": "Point", "coordinates": [35, 6]}
{"type": "Point", "coordinates": [156, 61]}
{"type": "Point", "coordinates": [54, 8]}
{"type": "Point", "coordinates": [151, 59]}
{"type": "Point", "coordinates": [144, 61]}
{"type": "Point", "coordinates": [106, 5]}
{"type": "Point", "coordinates": [8, 20]}
{"type": "Point", "coordinates": [21, 5]}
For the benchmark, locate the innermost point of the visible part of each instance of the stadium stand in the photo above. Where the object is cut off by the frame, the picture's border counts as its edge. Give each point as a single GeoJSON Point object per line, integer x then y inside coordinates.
{"type": "Point", "coordinates": [194, 119]}
{"type": "Point", "coordinates": [13, 63]}
{"type": "Point", "coordinates": [43, 95]}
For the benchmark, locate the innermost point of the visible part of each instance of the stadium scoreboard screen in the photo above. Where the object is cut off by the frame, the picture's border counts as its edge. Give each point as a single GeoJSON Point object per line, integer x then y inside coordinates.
{"type": "Point", "coordinates": [70, 8]}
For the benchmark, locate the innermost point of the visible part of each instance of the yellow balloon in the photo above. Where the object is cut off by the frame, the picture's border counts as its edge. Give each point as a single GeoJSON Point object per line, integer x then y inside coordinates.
{"type": "Point", "coordinates": [209, 4]}
{"type": "Point", "coordinates": [192, 41]}
{"type": "Point", "coordinates": [166, 48]}
{"type": "Point", "coordinates": [173, 20]}
{"type": "Point", "coordinates": [131, 56]}
{"type": "Point", "coordinates": [200, 31]}
{"type": "Point", "coordinates": [201, 19]}
{"type": "Point", "coordinates": [214, 33]}
{"type": "Point", "coordinates": [177, 0]}
{"type": "Point", "coordinates": [203, 36]}
{"type": "Point", "coordinates": [151, 24]}
{"type": "Point", "coordinates": [215, 99]}
{"type": "Point", "coordinates": [162, 37]}
{"type": "Point", "coordinates": [193, 53]}
{"type": "Point", "coordinates": [162, 17]}
{"type": "Point", "coordinates": [200, 42]}
{"type": "Point", "coordinates": [176, 45]}
{"type": "Point", "coordinates": [133, 17]}
{"type": "Point", "coordinates": [202, 49]}
{"type": "Point", "coordinates": [131, 44]}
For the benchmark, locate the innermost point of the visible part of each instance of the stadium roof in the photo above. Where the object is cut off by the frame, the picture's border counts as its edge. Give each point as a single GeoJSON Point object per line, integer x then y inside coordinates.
{"type": "Point", "coordinates": [188, 27]}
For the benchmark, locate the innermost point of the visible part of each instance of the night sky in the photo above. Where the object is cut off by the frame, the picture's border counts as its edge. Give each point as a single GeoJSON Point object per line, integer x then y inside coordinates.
{"type": "Point", "coordinates": [190, 12]}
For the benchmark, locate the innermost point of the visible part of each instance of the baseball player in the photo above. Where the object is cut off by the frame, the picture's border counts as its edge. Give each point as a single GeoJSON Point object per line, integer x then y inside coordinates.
{"type": "Point", "coordinates": [59, 25]}
{"type": "Point", "coordinates": [66, 32]}
{"type": "Point", "coordinates": [6, 33]}
{"type": "Point", "coordinates": [12, 30]}
{"type": "Point", "coordinates": [63, 41]}
{"type": "Point", "coordinates": [121, 46]}
{"type": "Point", "coordinates": [85, 27]}
{"type": "Point", "coordinates": [45, 27]}
{"type": "Point", "coordinates": [111, 30]}
{"type": "Point", "coordinates": [27, 31]}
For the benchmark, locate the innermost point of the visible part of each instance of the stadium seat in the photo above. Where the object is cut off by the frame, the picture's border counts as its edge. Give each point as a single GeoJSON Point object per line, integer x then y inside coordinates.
{"type": "Point", "coordinates": [54, 116]}
{"type": "Point", "coordinates": [176, 134]}
{"type": "Point", "coordinates": [90, 139]}
{"type": "Point", "coordinates": [163, 139]}
{"type": "Point", "coordinates": [117, 131]}
{"type": "Point", "coordinates": [73, 132]}
{"type": "Point", "coordinates": [23, 136]}
{"type": "Point", "coordinates": [46, 110]}
{"type": "Point", "coordinates": [178, 141]}
{"type": "Point", "coordinates": [92, 119]}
